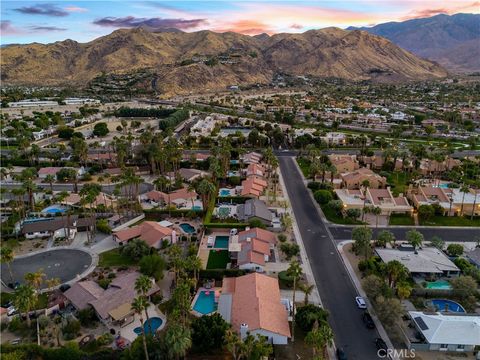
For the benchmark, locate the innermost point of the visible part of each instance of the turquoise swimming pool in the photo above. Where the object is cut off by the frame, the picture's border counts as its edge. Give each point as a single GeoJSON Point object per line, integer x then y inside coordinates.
{"type": "Point", "coordinates": [439, 285]}
{"type": "Point", "coordinates": [444, 305]}
{"type": "Point", "coordinates": [150, 326]}
{"type": "Point", "coordinates": [224, 192]}
{"type": "Point", "coordinates": [54, 209]}
{"type": "Point", "coordinates": [205, 303]}
{"type": "Point", "coordinates": [221, 242]}
{"type": "Point", "coordinates": [187, 228]}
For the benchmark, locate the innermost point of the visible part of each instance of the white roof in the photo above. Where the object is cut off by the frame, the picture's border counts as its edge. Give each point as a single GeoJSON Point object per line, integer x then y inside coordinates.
{"type": "Point", "coordinates": [165, 223]}
{"type": "Point", "coordinates": [426, 260]}
{"type": "Point", "coordinates": [448, 329]}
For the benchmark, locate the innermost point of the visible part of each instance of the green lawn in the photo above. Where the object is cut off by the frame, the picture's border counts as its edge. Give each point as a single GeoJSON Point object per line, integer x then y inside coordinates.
{"type": "Point", "coordinates": [451, 221]}
{"type": "Point", "coordinates": [114, 258]}
{"type": "Point", "coordinates": [401, 219]}
{"type": "Point", "coordinates": [304, 165]}
{"type": "Point", "coordinates": [398, 181]}
{"type": "Point", "coordinates": [218, 259]}
{"type": "Point", "coordinates": [332, 216]}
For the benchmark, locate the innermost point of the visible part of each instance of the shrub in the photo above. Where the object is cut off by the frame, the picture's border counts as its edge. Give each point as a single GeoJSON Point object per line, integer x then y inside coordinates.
{"type": "Point", "coordinates": [100, 129]}
{"type": "Point", "coordinates": [208, 333]}
{"type": "Point", "coordinates": [353, 213]}
{"type": "Point", "coordinates": [86, 316]}
{"type": "Point", "coordinates": [71, 329]}
{"type": "Point", "coordinates": [455, 249]}
{"type": "Point", "coordinates": [103, 227]}
{"type": "Point", "coordinates": [156, 298]}
{"type": "Point", "coordinates": [285, 279]}
{"type": "Point", "coordinates": [153, 266]}
{"type": "Point", "coordinates": [426, 212]}
{"type": "Point", "coordinates": [104, 283]}
{"type": "Point", "coordinates": [336, 205]}
{"type": "Point", "coordinates": [234, 180]}
{"type": "Point", "coordinates": [282, 237]}
{"type": "Point", "coordinates": [306, 316]}
{"type": "Point", "coordinates": [105, 339]}
{"type": "Point", "coordinates": [323, 196]}
{"type": "Point", "coordinates": [290, 250]}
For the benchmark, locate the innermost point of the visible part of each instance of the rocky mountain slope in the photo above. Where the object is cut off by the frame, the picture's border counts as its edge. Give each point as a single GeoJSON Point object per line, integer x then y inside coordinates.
{"type": "Point", "coordinates": [206, 60]}
{"type": "Point", "coordinates": [453, 41]}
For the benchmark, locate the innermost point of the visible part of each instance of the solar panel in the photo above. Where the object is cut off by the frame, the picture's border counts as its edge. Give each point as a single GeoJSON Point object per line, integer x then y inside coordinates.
{"type": "Point", "coordinates": [421, 323]}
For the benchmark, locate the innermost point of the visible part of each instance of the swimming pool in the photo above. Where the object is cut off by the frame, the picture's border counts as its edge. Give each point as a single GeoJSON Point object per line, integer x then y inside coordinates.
{"type": "Point", "coordinates": [205, 303]}
{"type": "Point", "coordinates": [444, 305]}
{"type": "Point", "coordinates": [221, 242]}
{"type": "Point", "coordinates": [225, 192]}
{"type": "Point", "coordinates": [443, 186]}
{"type": "Point", "coordinates": [53, 209]}
{"type": "Point", "coordinates": [151, 326]}
{"type": "Point", "coordinates": [196, 208]}
{"type": "Point", "coordinates": [439, 285]}
{"type": "Point", "coordinates": [187, 228]}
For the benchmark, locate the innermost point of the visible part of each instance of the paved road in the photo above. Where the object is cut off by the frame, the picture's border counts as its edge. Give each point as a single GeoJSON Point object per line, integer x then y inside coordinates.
{"type": "Point", "coordinates": [340, 233]}
{"type": "Point", "coordinates": [64, 264]}
{"type": "Point", "coordinates": [334, 285]}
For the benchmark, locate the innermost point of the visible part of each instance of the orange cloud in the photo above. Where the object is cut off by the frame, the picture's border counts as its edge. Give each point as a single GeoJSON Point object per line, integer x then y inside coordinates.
{"type": "Point", "coordinates": [422, 12]}
{"type": "Point", "coordinates": [247, 27]}
{"type": "Point", "coordinates": [76, 9]}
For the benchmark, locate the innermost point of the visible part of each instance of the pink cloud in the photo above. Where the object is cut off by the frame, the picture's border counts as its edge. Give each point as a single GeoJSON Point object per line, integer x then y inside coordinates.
{"type": "Point", "coordinates": [76, 9]}
{"type": "Point", "coordinates": [6, 28]}
{"type": "Point", "coordinates": [296, 26]}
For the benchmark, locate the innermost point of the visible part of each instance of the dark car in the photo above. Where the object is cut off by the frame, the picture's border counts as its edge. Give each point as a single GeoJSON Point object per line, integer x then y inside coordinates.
{"type": "Point", "coordinates": [64, 287]}
{"type": "Point", "coordinates": [341, 354]}
{"type": "Point", "coordinates": [381, 346]}
{"type": "Point", "coordinates": [368, 321]}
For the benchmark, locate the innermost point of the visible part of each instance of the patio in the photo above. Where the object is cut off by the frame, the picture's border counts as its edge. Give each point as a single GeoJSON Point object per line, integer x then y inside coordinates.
{"type": "Point", "coordinates": [127, 330]}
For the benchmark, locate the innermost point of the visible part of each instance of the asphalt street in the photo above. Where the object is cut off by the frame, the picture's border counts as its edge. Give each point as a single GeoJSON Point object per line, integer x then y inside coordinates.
{"type": "Point", "coordinates": [340, 233]}
{"type": "Point", "coordinates": [64, 264]}
{"type": "Point", "coordinates": [334, 284]}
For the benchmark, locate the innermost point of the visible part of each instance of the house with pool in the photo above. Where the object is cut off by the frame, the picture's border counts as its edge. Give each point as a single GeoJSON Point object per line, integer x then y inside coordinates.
{"type": "Point", "coordinates": [453, 332]}
{"type": "Point", "coordinates": [113, 304]}
{"type": "Point", "coordinates": [252, 248]}
{"type": "Point", "coordinates": [427, 262]}
{"type": "Point", "coordinates": [149, 231]}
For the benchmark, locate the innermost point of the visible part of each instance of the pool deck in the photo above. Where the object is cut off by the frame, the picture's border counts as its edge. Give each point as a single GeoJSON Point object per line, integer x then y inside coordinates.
{"type": "Point", "coordinates": [204, 250]}
{"type": "Point", "coordinates": [127, 331]}
{"type": "Point", "coordinates": [217, 291]}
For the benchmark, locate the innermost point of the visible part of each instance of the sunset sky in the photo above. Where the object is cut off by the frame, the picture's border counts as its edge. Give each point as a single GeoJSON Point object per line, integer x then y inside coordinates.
{"type": "Point", "coordinates": [25, 21]}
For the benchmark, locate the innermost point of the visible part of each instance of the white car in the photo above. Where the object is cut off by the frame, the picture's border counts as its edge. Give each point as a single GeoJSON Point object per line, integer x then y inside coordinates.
{"type": "Point", "coordinates": [360, 302]}
{"type": "Point", "coordinates": [11, 311]}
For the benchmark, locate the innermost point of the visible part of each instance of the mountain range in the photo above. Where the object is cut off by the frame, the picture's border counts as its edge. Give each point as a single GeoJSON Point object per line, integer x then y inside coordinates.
{"type": "Point", "coordinates": [205, 60]}
{"type": "Point", "coordinates": [451, 40]}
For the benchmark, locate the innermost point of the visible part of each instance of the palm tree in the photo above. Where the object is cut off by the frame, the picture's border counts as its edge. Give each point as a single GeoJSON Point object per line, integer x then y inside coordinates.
{"type": "Point", "coordinates": [6, 257]}
{"type": "Point", "coordinates": [415, 238]}
{"type": "Point", "coordinates": [463, 189]}
{"type": "Point", "coordinates": [320, 337]}
{"type": "Point", "coordinates": [307, 290]}
{"type": "Point", "coordinates": [139, 305]}
{"type": "Point", "coordinates": [143, 284]}
{"type": "Point", "coordinates": [395, 270]}
{"type": "Point", "coordinates": [50, 179]}
{"type": "Point", "coordinates": [234, 344]}
{"type": "Point", "coordinates": [35, 279]}
{"type": "Point", "coordinates": [474, 201]}
{"type": "Point", "coordinates": [194, 263]}
{"type": "Point", "coordinates": [294, 271]}
{"type": "Point", "coordinates": [365, 185]}
{"type": "Point", "coordinates": [205, 189]}
{"type": "Point", "coordinates": [376, 211]}
{"type": "Point", "coordinates": [25, 299]}
{"type": "Point", "coordinates": [178, 340]}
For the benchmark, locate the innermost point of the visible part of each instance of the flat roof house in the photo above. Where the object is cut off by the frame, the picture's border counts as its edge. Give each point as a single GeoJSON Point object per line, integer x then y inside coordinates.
{"type": "Point", "coordinates": [149, 231]}
{"type": "Point", "coordinates": [445, 332]}
{"type": "Point", "coordinates": [56, 227]}
{"type": "Point", "coordinates": [188, 175]}
{"type": "Point", "coordinates": [422, 262]}
{"type": "Point", "coordinates": [251, 304]}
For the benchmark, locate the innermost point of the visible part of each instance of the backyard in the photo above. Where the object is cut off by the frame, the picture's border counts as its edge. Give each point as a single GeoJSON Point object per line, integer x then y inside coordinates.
{"type": "Point", "coordinates": [218, 259]}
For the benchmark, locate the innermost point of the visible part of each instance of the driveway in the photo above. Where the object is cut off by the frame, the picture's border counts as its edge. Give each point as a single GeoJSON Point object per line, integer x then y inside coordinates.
{"type": "Point", "coordinates": [335, 286]}
{"type": "Point", "coordinates": [64, 264]}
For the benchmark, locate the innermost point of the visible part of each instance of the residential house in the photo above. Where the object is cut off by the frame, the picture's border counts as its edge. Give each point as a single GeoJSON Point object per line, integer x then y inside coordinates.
{"type": "Point", "coordinates": [181, 198]}
{"type": "Point", "coordinates": [44, 172]}
{"type": "Point", "coordinates": [108, 159]}
{"type": "Point", "coordinates": [101, 200]}
{"type": "Point", "coordinates": [429, 167]}
{"type": "Point", "coordinates": [428, 261]}
{"type": "Point", "coordinates": [253, 186]}
{"type": "Point", "coordinates": [149, 231]}
{"type": "Point", "coordinates": [474, 256]}
{"type": "Point", "coordinates": [255, 170]}
{"type": "Point", "coordinates": [436, 123]}
{"type": "Point", "coordinates": [112, 305]}
{"type": "Point", "coordinates": [198, 156]}
{"type": "Point", "coordinates": [445, 332]}
{"type": "Point", "coordinates": [187, 175]}
{"type": "Point", "coordinates": [255, 209]}
{"type": "Point", "coordinates": [254, 250]}
{"type": "Point", "coordinates": [252, 304]}
{"type": "Point", "coordinates": [354, 179]}
{"type": "Point", "coordinates": [59, 227]}
{"type": "Point", "coordinates": [334, 138]}
{"type": "Point", "coordinates": [251, 158]}
{"type": "Point", "coordinates": [451, 200]}
{"type": "Point", "coordinates": [344, 163]}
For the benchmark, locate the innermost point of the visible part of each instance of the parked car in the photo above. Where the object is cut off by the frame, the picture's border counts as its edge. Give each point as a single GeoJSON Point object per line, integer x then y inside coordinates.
{"type": "Point", "coordinates": [11, 311]}
{"type": "Point", "coordinates": [64, 287]}
{"type": "Point", "coordinates": [341, 354]}
{"type": "Point", "coordinates": [381, 346]}
{"type": "Point", "coordinates": [368, 321]}
{"type": "Point", "coordinates": [361, 302]}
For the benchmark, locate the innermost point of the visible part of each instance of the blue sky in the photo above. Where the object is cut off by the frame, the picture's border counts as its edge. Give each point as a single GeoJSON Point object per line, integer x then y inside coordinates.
{"type": "Point", "coordinates": [49, 21]}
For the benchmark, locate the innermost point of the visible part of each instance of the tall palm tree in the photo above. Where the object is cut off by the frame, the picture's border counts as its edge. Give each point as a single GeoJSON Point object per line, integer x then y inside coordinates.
{"type": "Point", "coordinates": [178, 340]}
{"type": "Point", "coordinates": [376, 211]}
{"type": "Point", "coordinates": [35, 279]}
{"type": "Point", "coordinates": [50, 179]}
{"type": "Point", "coordinates": [395, 270]}
{"type": "Point", "coordinates": [138, 306]}
{"type": "Point", "coordinates": [25, 299]}
{"type": "Point", "coordinates": [463, 189]}
{"type": "Point", "coordinates": [205, 189]}
{"type": "Point", "coordinates": [143, 284]}
{"type": "Point", "coordinates": [6, 257]}
{"type": "Point", "coordinates": [295, 272]}
{"type": "Point", "coordinates": [477, 191]}
{"type": "Point", "coordinates": [365, 185]}
{"type": "Point", "coordinates": [320, 337]}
